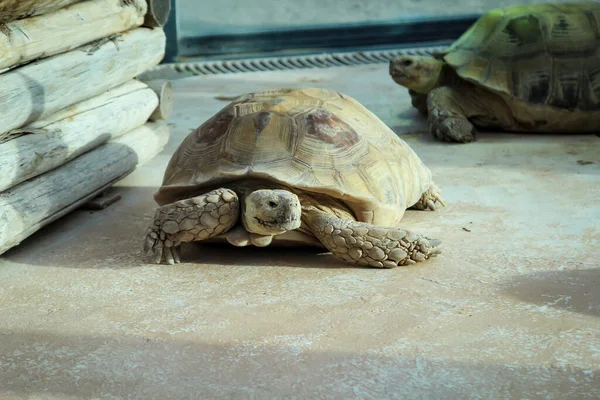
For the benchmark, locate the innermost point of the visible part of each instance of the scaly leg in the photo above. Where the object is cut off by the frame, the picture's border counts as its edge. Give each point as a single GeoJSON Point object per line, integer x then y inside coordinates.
{"type": "Point", "coordinates": [429, 198]}
{"type": "Point", "coordinates": [454, 112]}
{"type": "Point", "coordinates": [189, 220]}
{"type": "Point", "coordinates": [447, 116]}
{"type": "Point", "coordinates": [369, 245]}
{"type": "Point", "coordinates": [419, 101]}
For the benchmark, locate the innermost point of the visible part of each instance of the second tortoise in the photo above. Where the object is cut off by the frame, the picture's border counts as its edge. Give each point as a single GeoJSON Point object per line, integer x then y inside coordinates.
{"type": "Point", "coordinates": [525, 68]}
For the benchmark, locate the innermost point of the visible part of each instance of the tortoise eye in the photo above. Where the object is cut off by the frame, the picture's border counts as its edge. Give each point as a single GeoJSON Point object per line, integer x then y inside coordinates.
{"type": "Point", "coordinates": [272, 204]}
{"type": "Point", "coordinates": [407, 63]}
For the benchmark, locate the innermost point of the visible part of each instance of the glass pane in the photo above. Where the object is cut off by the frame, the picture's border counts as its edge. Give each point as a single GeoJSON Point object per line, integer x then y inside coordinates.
{"type": "Point", "coordinates": [209, 17]}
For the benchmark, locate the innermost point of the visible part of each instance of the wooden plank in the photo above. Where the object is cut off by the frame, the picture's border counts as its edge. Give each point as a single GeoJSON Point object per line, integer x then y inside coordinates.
{"type": "Point", "coordinates": [49, 34]}
{"type": "Point", "coordinates": [42, 88]}
{"type": "Point", "coordinates": [40, 125]}
{"type": "Point", "coordinates": [90, 104]}
{"type": "Point", "coordinates": [28, 156]}
{"type": "Point", "coordinates": [103, 200]}
{"type": "Point", "coordinates": [17, 9]}
{"type": "Point", "coordinates": [33, 204]}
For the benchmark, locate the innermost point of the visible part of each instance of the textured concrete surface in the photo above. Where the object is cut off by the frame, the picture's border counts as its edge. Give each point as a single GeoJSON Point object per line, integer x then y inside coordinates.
{"type": "Point", "coordinates": [511, 309]}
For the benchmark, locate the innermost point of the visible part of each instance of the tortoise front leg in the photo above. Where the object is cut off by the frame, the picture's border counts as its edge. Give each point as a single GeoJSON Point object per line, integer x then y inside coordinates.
{"type": "Point", "coordinates": [370, 245]}
{"type": "Point", "coordinates": [448, 111]}
{"type": "Point", "coordinates": [419, 101]}
{"type": "Point", "coordinates": [453, 112]}
{"type": "Point", "coordinates": [189, 220]}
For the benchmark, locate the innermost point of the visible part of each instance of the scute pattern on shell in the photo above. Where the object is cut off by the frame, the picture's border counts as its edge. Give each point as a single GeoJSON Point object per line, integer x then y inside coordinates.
{"type": "Point", "coordinates": [547, 54]}
{"type": "Point", "coordinates": [313, 140]}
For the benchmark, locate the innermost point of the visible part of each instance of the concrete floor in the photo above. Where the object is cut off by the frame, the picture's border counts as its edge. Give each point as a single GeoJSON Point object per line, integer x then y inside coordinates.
{"type": "Point", "coordinates": [511, 309]}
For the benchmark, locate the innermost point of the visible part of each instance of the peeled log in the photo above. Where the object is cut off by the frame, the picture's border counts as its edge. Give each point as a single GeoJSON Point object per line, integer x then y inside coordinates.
{"type": "Point", "coordinates": [115, 114]}
{"type": "Point", "coordinates": [89, 104]}
{"type": "Point", "coordinates": [17, 9]}
{"type": "Point", "coordinates": [46, 35]}
{"type": "Point", "coordinates": [42, 88]}
{"type": "Point", "coordinates": [33, 204]}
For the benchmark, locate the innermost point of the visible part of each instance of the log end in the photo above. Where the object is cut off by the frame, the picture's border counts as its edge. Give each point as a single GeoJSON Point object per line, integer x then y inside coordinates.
{"type": "Point", "coordinates": [164, 91]}
{"type": "Point", "coordinates": [158, 13]}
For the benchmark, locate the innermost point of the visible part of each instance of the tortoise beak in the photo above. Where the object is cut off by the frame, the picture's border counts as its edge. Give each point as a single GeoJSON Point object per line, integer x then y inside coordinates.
{"type": "Point", "coordinates": [395, 69]}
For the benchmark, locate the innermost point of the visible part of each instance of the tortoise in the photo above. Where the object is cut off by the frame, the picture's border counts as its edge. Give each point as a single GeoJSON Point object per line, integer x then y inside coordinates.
{"type": "Point", "coordinates": [302, 166]}
{"type": "Point", "coordinates": [525, 68]}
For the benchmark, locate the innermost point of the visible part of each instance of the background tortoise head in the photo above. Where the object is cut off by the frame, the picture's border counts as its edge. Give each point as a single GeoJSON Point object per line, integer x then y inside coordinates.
{"type": "Point", "coordinates": [418, 73]}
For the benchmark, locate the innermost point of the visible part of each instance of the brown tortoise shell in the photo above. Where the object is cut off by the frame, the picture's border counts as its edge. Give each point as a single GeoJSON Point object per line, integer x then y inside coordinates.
{"type": "Point", "coordinates": [312, 140]}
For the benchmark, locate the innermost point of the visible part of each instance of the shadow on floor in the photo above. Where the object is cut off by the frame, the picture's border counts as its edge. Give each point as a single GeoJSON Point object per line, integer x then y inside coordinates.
{"type": "Point", "coordinates": [571, 153]}
{"type": "Point", "coordinates": [572, 290]}
{"type": "Point", "coordinates": [157, 368]}
{"type": "Point", "coordinates": [224, 254]}
{"type": "Point", "coordinates": [112, 238]}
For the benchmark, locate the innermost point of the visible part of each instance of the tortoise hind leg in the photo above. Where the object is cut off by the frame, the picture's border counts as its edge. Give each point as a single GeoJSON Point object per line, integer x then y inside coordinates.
{"type": "Point", "coordinates": [189, 220]}
{"type": "Point", "coordinates": [429, 199]}
{"type": "Point", "coordinates": [370, 245]}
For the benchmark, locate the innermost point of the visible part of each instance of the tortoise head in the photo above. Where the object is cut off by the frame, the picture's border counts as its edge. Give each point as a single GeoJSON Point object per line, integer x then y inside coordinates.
{"type": "Point", "coordinates": [419, 73]}
{"type": "Point", "coordinates": [271, 212]}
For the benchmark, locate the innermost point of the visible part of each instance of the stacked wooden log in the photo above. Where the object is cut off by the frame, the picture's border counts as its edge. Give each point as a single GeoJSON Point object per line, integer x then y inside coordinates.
{"type": "Point", "coordinates": [74, 118]}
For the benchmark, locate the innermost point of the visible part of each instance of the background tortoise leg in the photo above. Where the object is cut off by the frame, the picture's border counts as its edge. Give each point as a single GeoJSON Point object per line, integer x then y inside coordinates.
{"type": "Point", "coordinates": [188, 220]}
{"type": "Point", "coordinates": [448, 111]}
{"type": "Point", "coordinates": [419, 101]}
{"type": "Point", "coordinates": [370, 245]}
{"type": "Point", "coordinates": [429, 198]}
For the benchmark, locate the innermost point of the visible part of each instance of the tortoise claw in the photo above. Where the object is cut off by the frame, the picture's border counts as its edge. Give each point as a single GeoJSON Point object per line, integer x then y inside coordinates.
{"type": "Point", "coordinates": [429, 198]}
{"type": "Point", "coordinates": [431, 205]}
{"type": "Point", "coordinates": [156, 250]}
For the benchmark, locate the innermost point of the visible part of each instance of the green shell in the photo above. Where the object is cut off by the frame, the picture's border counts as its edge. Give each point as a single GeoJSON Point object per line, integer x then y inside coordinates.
{"type": "Point", "coordinates": [546, 54]}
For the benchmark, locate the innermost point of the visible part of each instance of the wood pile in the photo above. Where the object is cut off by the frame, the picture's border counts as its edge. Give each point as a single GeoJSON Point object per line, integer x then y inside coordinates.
{"type": "Point", "coordinates": [74, 117]}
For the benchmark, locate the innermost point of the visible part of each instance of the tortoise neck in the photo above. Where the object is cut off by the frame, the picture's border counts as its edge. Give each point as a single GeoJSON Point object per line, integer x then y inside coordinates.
{"type": "Point", "coordinates": [447, 77]}
{"type": "Point", "coordinates": [435, 73]}
{"type": "Point", "coordinates": [326, 204]}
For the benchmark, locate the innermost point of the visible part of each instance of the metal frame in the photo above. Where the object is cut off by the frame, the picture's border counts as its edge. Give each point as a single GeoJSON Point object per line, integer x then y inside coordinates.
{"type": "Point", "coordinates": [171, 29]}
{"type": "Point", "coordinates": [403, 33]}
